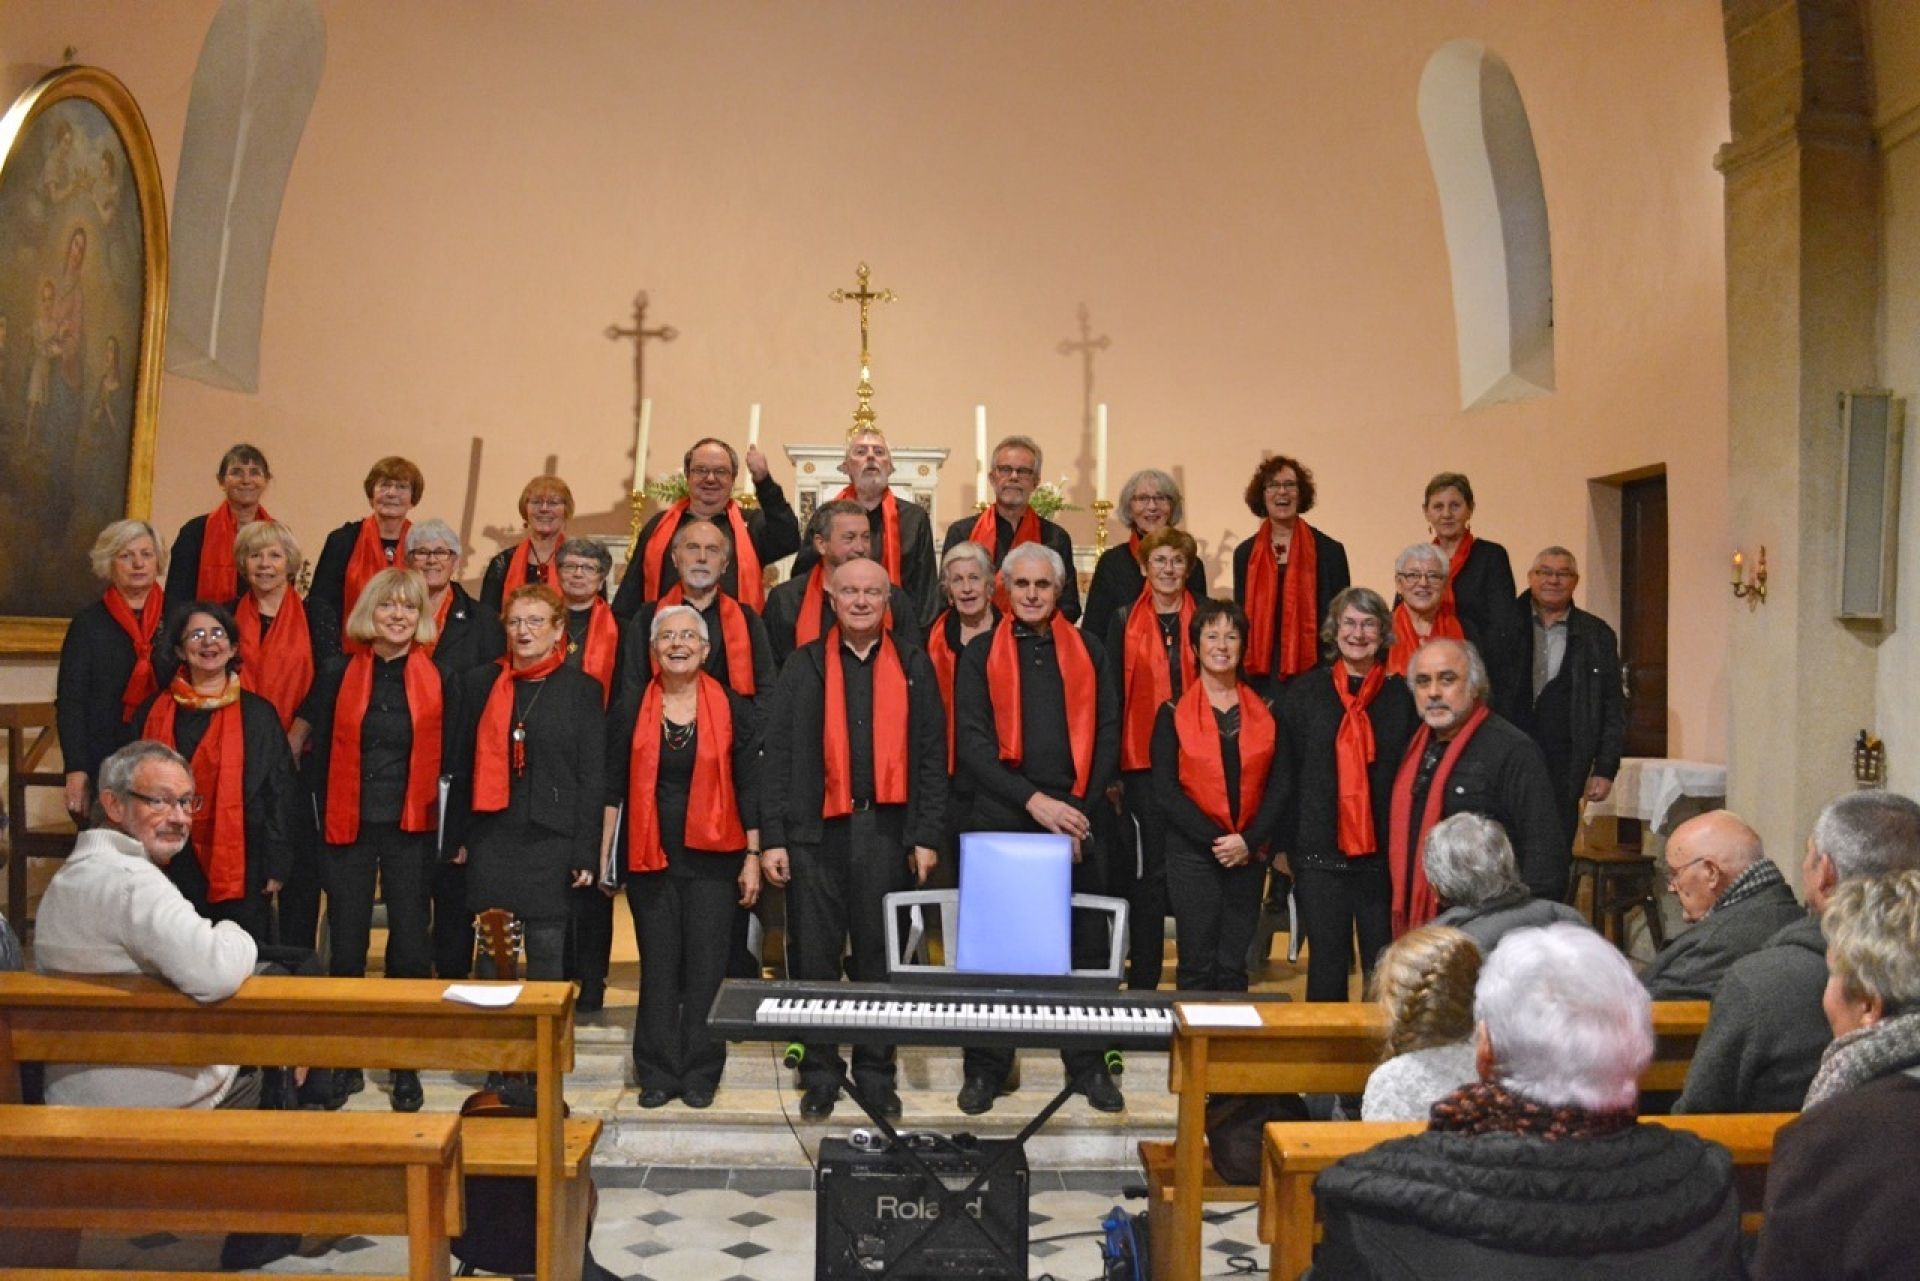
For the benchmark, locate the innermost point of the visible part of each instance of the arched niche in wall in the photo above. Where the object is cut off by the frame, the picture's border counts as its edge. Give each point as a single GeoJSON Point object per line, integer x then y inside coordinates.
{"type": "Point", "coordinates": [1494, 211]}
{"type": "Point", "coordinates": [258, 73]}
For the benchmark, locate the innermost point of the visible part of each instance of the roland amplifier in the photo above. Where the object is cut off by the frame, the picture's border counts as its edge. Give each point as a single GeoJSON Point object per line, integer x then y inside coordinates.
{"type": "Point", "coordinates": [871, 1203]}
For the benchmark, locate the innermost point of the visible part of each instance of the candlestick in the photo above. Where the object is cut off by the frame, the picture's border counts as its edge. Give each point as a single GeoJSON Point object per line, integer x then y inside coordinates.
{"type": "Point", "coordinates": [640, 435]}
{"type": "Point", "coordinates": [1102, 509]}
{"type": "Point", "coordinates": [753, 425]}
{"type": "Point", "coordinates": [1100, 455]}
{"type": "Point", "coordinates": [980, 451]}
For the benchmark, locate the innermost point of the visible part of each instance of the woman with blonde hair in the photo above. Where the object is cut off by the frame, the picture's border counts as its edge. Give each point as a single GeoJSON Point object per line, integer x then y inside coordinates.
{"type": "Point", "coordinates": [1425, 981]}
{"type": "Point", "coordinates": [107, 660]}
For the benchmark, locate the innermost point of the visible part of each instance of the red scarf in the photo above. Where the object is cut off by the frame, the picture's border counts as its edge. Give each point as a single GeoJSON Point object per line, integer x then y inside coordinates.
{"type": "Point", "coordinates": [1457, 563]}
{"type": "Point", "coordinates": [1299, 612]}
{"type": "Point", "coordinates": [218, 574]}
{"type": "Point", "coordinates": [426, 706]}
{"type": "Point", "coordinates": [746, 560]}
{"type": "Point", "coordinates": [1353, 751]}
{"type": "Point", "coordinates": [889, 530]}
{"type": "Point", "coordinates": [944, 661]}
{"type": "Point", "coordinates": [1146, 679]}
{"type": "Point", "coordinates": [520, 571]}
{"type": "Point", "coordinates": [733, 635]}
{"type": "Point", "coordinates": [1076, 677]}
{"type": "Point", "coordinates": [440, 614]}
{"type": "Point", "coordinates": [278, 667]}
{"type": "Point", "coordinates": [141, 682]}
{"type": "Point", "coordinates": [1414, 902]}
{"type": "Point", "coordinates": [492, 775]}
{"type": "Point", "coordinates": [806, 627]}
{"type": "Point", "coordinates": [1203, 772]}
{"type": "Point", "coordinates": [987, 534]}
{"type": "Point", "coordinates": [219, 775]}
{"type": "Point", "coordinates": [713, 815]}
{"type": "Point", "coordinates": [889, 730]}
{"type": "Point", "coordinates": [600, 647]}
{"type": "Point", "coordinates": [1446, 626]}
{"type": "Point", "coordinates": [369, 558]}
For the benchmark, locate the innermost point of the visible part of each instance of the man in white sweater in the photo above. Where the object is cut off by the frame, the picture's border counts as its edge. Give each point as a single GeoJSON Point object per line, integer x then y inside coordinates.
{"type": "Point", "coordinates": [110, 909]}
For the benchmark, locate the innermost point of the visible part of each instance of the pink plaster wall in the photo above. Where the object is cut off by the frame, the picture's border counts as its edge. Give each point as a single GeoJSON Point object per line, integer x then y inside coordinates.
{"type": "Point", "coordinates": [1239, 192]}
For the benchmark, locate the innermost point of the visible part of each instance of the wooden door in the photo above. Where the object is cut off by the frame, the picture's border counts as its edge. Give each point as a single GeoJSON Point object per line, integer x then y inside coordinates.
{"type": "Point", "coordinates": [1643, 613]}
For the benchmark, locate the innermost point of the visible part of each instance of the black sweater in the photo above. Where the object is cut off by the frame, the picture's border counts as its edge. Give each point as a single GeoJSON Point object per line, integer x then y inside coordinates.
{"type": "Point", "coordinates": [1311, 712]}
{"type": "Point", "coordinates": [1186, 823]}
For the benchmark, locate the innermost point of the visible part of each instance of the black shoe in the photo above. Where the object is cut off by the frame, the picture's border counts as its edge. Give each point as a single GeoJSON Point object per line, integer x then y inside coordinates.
{"type": "Point", "coordinates": [977, 1095]}
{"type": "Point", "coordinates": [697, 1096]}
{"type": "Point", "coordinates": [655, 1098]}
{"type": "Point", "coordinates": [407, 1095]}
{"type": "Point", "coordinates": [886, 1101]}
{"type": "Point", "coordinates": [1101, 1091]}
{"type": "Point", "coordinates": [317, 1092]}
{"type": "Point", "coordinates": [592, 999]}
{"type": "Point", "coordinates": [347, 1082]}
{"type": "Point", "coordinates": [247, 1251]}
{"type": "Point", "coordinates": [817, 1103]}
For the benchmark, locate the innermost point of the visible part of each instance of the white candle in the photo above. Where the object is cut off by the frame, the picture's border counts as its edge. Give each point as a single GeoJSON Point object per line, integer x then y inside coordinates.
{"type": "Point", "coordinates": [753, 425]}
{"type": "Point", "coordinates": [980, 449]}
{"type": "Point", "coordinates": [1100, 451]}
{"type": "Point", "coordinates": [640, 445]}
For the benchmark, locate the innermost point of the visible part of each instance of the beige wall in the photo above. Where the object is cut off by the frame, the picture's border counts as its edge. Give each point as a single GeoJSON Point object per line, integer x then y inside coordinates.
{"type": "Point", "coordinates": [1238, 192]}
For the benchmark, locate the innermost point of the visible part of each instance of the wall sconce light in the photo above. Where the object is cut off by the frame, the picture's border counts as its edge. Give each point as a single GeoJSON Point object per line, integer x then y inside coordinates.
{"type": "Point", "coordinates": [1750, 588]}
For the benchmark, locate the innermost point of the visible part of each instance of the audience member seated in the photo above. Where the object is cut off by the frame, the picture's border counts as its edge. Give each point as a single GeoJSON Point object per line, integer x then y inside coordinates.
{"type": "Point", "coordinates": [1732, 895]}
{"type": "Point", "coordinates": [1541, 1168]}
{"type": "Point", "coordinates": [1841, 1198]}
{"type": "Point", "coordinates": [1765, 1036]}
{"type": "Point", "coordinates": [1470, 865]}
{"type": "Point", "coordinates": [1425, 981]}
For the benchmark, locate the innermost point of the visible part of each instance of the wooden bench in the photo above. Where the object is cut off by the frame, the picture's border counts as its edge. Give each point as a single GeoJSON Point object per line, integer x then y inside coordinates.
{"type": "Point", "coordinates": [32, 732]}
{"type": "Point", "coordinates": [366, 1023]}
{"type": "Point", "coordinates": [1300, 1048]}
{"type": "Point", "coordinates": [1293, 1154]}
{"type": "Point", "coordinates": [144, 1170]}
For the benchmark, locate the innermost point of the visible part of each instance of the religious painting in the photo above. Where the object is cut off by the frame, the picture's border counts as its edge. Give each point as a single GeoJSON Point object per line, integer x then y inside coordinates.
{"type": "Point", "coordinates": [83, 262]}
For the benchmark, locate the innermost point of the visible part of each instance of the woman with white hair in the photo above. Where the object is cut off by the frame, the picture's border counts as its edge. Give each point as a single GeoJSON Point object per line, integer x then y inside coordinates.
{"type": "Point", "coordinates": [107, 660]}
{"type": "Point", "coordinates": [1471, 867]}
{"type": "Point", "coordinates": [466, 636]}
{"type": "Point", "coordinates": [1841, 1198]}
{"type": "Point", "coordinates": [1150, 500]}
{"type": "Point", "coordinates": [1540, 1169]}
{"type": "Point", "coordinates": [1423, 611]}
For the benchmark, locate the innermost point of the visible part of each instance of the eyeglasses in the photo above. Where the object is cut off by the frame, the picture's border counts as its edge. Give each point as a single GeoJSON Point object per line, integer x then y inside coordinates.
{"type": "Point", "coordinates": [431, 553]}
{"type": "Point", "coordinates": [709, 473]}
{"type": "Point", "coordinates": [578, 567]}
{"type": "Point", "coordinates": [1283, 487]}
{"type": "Point", "coordinates": [192, 802]}
{"type": "Point", "coordinates": [1362, 626]}
{"type": "Point", "coordinates": [547, 500]}
{"type": "Point", "coordinates": [1016, 473]}
{"type": "Point", "coordinates": [1148, 500]}
{"type": "Point", "coordinates": [1422, 576]}
{"type": "Point", "coordinates": [206, 633]}
{"type": "Point", "coordinates": [1674, 874]}
{"type": "Point", "coordinates": [533, 624]}
{"type": "Point", "coordinates": [679, 638]}
{"type": "Point", "coordinates": [393, 487]}
{"type": "Point", "coordinates": [1554, 574]}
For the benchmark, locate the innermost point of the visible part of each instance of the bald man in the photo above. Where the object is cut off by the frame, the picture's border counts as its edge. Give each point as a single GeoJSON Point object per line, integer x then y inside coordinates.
{"type": "Point", "coordinates": [1731, 894]}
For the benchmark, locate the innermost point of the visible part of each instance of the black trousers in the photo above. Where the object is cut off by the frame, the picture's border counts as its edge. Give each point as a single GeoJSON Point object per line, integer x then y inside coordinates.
{"type": "Point", "coordinates": [836, 899]}
{"type": "Point", "coordinates": [403, 863]}
{"type": "Point", "coordinates": [1334, 906]}
{"type": "Point", "coordinates": [1145, 889]}
{"type": "Point", "coordinates": [452, 923]}
{"type": "Point", "coordinates": [590, 937]}
{"type": "Point", "coordinates": [299, 910]}
{"type": "Point", "coordinates": [1215, 912]}
{"type": "Point", "coordinates": [682, 925]}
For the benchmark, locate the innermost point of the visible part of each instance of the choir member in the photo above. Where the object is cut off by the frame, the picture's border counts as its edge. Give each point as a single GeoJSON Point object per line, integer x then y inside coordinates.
{"type": "Point", "coordinates": [1150, 500]}
{"type": "Point", "coordinates": [107, 659]}
{"type": "Point", "coordinates": [203, 565]}
{"type": "Point", "coordinates": [242, 844]}
{"type": "Point", "coordinates": [1347, 724]}
{"type": "Point", "coordinates": [1423, 610]}
{"type": "Point", "coordinates": [381, 724]}
{"type": "Point", "coordinates": [593, 633]}
{"type": "Point", "coordinates": [532, 746]}
{"type": "Point", "coordinates": [902, 535]}
{"type": "Point", "coordinates": [966, 578]}
{"type": "Point", "coordinates": [1038, 737]}
{"type": "Point", "coordinates": [1221, 773]}
{"type": "Point", "coordinates": [798, 611]}
{"type": "Point", "coordinates": [359, 549]}
{"type": "Point", "coordinates": [683, 759]}
{"type": "Point", "coordinates": [852, 808]}
{"type": "Point", "coordinates": [1467, 758]}
{"type": "Point", "coordinates": [546, 505]}
{"type": "Point", "coordinates": [759, 537]}
{"type": "Point", "coordinates": [739, 655]}
{"type": "Point", "coordinates": [1011, 521]}
{"type": "Point", "coordinates": [1480, 586]}
{"type": "Point", "coordinates": [1286, 575]}
{"type": "Point", "coordinates": [1150, 652]}
{"type": "Point", "coordinates": [465, 635]}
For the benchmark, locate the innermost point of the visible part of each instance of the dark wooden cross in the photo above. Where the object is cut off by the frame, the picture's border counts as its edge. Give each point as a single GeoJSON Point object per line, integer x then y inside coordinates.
{"type": "Point", "coordinates": [641, 335]}
{"type": "Point", "coordinates": [1085, 348]}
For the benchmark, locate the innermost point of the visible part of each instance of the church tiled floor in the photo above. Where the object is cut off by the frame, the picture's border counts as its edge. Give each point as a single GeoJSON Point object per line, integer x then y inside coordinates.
{"type": "Point", "coordinates": [666, 1223]}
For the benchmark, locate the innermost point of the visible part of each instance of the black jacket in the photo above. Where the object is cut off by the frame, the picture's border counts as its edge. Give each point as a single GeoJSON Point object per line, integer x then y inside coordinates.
{"type": "Point", "coordinates": [1310, 716]}
{"type": "Point", "coordinates": [919, 574]}
{"type": "Point", "coordinates": [772, 526]}
{"type": "Point", "coordinates": [183, 566]}
{"type": "Point", "coordinates": [1051, 535]}
{"type": "Point", "coordinates": [793, 773]}
{"type": "Point", "coordinates": [1598, 708]}
{"type": "Point", "coordinates": [318, 710]}
{"type": "Point", "coordinates": [472, 636]}
{"type": "Point", "coordinates": [636, 666]}
{"type": "Point", "coordinates": [330, 572]}
{"type": "Point", "coordinates": [1331, 577]}
{"type": "Point", "coordinates": [1483, 598]}
{"type": "Point", "coordinates": [783, 616]}
{"type": "Point", "coordinates": [1118, 581]}
{"type": "Point", "coordinates": [1502, 775]}
{"type": "Point", "coordinates": [1186, 824]}
{"type": "Point", "coordinates": [95, 661]}
{"type": "Point", "coordinates": [1647, 1203]}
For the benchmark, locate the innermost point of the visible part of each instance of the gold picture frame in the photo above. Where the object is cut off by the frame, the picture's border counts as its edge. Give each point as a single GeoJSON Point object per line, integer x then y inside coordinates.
{"type": "Point", "coordinates": [84, 281]}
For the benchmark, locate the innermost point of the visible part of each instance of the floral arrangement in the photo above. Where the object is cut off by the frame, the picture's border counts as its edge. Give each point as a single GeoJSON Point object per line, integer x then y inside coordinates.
{"type": "Point", "coordinates": [1050, 498]}
{"type": "Point", "coordinates": [668, 489]}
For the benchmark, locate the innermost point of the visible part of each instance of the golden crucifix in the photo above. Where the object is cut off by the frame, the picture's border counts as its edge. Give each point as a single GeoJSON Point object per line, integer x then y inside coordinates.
{"type": "Point", "coordinates": [863, 416]}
